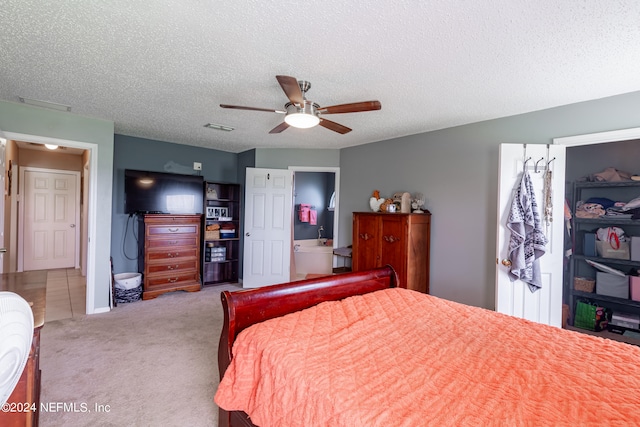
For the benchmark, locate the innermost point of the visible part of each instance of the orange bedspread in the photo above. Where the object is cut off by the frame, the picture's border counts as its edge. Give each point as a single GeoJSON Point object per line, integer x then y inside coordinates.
{"type": "Point", "coordinates": [402, 358]}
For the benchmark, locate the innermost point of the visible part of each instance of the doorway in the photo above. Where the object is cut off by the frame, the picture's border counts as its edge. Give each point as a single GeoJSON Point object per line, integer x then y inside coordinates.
{"type": "Point", "coordinates": [50, 217]}
{"type": "Point", "coordinates": [90, 159]}
{"type": "Point", "coordinates": [625, 140]}
{"type": "Point", "coordinates": [315, 219]}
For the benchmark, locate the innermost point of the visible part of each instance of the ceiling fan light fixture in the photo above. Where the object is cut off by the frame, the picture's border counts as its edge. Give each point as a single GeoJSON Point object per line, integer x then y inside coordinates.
{"type": "Point", "coordinates": [301, 117]}
{"type": "Point", "coordinates": [302, 120]}
{"type": "Point", "coordinates": [302, 113]}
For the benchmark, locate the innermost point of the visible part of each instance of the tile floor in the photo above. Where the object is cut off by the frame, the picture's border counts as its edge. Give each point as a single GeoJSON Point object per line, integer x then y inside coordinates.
{"type": "Point", "coordinates": [66, 294]}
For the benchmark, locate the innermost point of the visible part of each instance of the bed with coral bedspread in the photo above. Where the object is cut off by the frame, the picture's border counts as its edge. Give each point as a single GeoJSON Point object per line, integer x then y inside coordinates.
{"type": "Point", "coordinates": [388, 356]}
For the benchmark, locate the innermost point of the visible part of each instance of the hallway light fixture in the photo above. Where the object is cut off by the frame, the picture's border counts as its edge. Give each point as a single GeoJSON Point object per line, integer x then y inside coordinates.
{"type": "Point", "coordinates": [51, 146]}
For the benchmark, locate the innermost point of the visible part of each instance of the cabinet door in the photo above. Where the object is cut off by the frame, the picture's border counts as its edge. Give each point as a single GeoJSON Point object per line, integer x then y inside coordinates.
{"type": "Point", "coordinates": [394, 240]}
{"type": "Point", "coordinates": [366, 242]}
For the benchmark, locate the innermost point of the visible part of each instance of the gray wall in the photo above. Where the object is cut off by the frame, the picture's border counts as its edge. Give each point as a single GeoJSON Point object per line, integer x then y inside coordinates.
{"type": "Point", "coordinates": [457, 170]}
{"type": "Point", "coordinates": [156, 156]}
{"type": "Point", "coordinates": [24, 119]}
{"type": "Point", "coordinates": [282, 158]}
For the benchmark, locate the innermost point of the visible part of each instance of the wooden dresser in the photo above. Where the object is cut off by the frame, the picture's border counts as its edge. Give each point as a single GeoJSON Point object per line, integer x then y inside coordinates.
{"type": "Point", "coordinates": [399, 239]}
{"type": "Point", "coordinates": [23, 406]}
{"type": "Point", "coordinates": [169, 254]}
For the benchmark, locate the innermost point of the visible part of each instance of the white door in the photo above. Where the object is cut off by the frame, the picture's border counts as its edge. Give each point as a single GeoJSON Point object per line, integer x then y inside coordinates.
{"type": "Point", "coordinates": [3, 146]}
{"type": "Point", "coordinates": [515, 298]}
{"type": "Point", "coordinates": [267, 227]}
{"type": "Point", "coordinates": [50, 219]}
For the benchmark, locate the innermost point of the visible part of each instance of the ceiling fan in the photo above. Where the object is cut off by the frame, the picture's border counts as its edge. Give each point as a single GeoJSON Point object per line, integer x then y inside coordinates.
{"type": "Point", "coordinates": [302, 113]}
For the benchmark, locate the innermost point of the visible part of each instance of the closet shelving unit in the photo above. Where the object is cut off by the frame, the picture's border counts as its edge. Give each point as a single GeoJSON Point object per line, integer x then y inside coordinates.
{"type": "Point", "coordinates": [221, 251]}
{"type": "Point", "coordinates": [618, 191]}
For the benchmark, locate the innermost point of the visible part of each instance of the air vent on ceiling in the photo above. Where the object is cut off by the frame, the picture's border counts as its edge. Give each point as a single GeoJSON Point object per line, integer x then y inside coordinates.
{"type": "Point", "coordinates": [219, 127]}
{"type": "Point", "coordinates": [45, 104]}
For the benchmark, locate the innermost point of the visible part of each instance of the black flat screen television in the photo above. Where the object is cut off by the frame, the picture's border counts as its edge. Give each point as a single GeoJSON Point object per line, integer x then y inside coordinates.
{"type": "Point", "coordinates": [161, 192]}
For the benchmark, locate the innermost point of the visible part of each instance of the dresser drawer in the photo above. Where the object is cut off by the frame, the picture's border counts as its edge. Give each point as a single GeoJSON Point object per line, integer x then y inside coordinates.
{"type": "Point", "coordinates": [168, 266]}
{"type": "Point", "coordinates": [169, 254]}
{"type": "Point", "coordinates": [172, 243]}
{"type": "Point", "coordinates": [163, 230]}
{"type": "Point", "coordinates": [170, 280]}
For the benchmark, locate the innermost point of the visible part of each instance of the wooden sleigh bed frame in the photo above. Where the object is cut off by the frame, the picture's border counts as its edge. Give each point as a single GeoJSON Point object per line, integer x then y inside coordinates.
{"type": "Point", "coordinates": [357, 349]}
{"type": "Point", "coordinates": [247, 307]}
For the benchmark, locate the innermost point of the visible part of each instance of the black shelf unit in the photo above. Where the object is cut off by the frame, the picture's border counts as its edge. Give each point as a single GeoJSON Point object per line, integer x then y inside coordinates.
{"type": "Point", "coordinates": [617, 191]}
{"type": "Point", "coordinates": [221, 252]}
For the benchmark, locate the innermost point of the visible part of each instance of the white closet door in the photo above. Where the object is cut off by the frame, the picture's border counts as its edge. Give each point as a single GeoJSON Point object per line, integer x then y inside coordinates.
{"type": "Point", "coordinates": [267, 227]}
{"type": "Point", "coordinates": [515, 298]}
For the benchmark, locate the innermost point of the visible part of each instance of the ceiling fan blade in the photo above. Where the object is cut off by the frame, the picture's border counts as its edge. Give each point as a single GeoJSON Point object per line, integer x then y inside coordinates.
{"type": "Point", "coordinates": [291, 89]}
{"type": "Point", "coordinates": [282, 126]}
{"type": "Point", "coordinates": [354, 107]}
{"type": "Point", "coordinates": [336, 127]}
{"type": "Point", "coordinates": [239, 107]}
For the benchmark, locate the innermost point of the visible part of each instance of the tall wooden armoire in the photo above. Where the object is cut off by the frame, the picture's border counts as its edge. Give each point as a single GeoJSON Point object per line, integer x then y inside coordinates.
{"type": "Point", "coordinates": [398, 239]}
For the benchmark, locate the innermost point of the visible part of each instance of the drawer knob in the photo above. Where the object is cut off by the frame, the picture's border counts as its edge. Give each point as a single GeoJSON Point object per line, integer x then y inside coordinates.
{"type": "Point", "coordinates": [172, 267]}
{"type": "Point", "coordinates": [172, 280]}
{"type": "Point", "coordinates": [173, 230]}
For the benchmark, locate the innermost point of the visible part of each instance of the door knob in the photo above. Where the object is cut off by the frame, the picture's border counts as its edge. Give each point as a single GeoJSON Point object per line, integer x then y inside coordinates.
{"type": "Point", "coordinates": [3, 250]}
{"type": "Point", "coordinates": [506, 262]}
{"type": "Point", "coordinates": [72, 226]}
{"type": "Point", "coordinates": [248, 234]}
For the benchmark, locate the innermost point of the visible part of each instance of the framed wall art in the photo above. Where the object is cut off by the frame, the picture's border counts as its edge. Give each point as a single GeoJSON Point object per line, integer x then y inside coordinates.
{"type": "Point", "coordinates": [217, 212]}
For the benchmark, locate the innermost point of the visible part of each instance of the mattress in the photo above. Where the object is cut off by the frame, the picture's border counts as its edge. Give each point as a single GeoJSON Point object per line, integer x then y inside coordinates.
{"type": "Point", "coordinates": [397, 357]}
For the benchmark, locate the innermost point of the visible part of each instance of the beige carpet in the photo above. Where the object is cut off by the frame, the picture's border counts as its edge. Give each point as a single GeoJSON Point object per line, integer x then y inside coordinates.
{"type": "Point", "coordinates": [146, 363]}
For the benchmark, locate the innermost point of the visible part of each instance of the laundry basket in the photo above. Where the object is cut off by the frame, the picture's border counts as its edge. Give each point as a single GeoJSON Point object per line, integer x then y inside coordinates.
{"type": "Point", "coordinates": [128, 287]}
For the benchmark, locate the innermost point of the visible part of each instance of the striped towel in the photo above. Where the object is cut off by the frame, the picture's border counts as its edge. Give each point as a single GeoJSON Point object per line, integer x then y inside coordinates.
{"type": "Point", "coordinates": [527, 243]}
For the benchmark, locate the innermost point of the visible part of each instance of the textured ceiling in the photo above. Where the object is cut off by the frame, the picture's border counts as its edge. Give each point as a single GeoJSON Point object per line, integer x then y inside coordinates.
{"type": "Point", "coordinates": [160, 69]}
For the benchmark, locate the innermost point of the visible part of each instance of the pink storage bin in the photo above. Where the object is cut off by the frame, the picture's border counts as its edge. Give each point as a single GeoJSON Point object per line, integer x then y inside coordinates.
{"type": "Point", "coordinates": [634, 287]}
